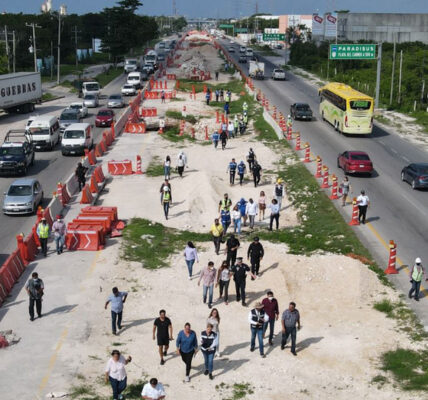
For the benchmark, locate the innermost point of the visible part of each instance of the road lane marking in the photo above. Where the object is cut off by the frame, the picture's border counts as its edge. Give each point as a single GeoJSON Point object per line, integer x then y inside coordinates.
{"type": "Point", "coordinates": [393, 150]}
{"type": "Point", "coordinates": [93, 265]}
{"type": "Point", "coordinates": [405, 159]}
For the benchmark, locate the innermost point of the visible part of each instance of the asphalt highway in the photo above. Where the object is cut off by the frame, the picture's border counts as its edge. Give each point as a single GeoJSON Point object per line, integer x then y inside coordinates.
{"type": "Point", "coordinates": [50, 167]}
{"type": "Point", "coordinates": [396, 211]}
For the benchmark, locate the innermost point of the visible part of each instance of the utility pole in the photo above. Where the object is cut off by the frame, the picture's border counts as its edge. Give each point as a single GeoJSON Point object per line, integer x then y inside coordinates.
{"type": "Point", "coordinates": [7, 48]}
{"type": "Point", "coordinates": [379, 65]}
{"type": "Point", "coordinates": [393, 72]}
{"type": "Point", "coordinates": [14, 50]}
{"type": "Point", "coordinates": [62, 12]}
{"type": "Point", "coordinates": [52, 59]}
{"type": "Point", "coordinates": [399, 77]}
{"type": "Point", "coordinates": [34, 26]}
{"type": "Point", "coordinates": [75, 31]}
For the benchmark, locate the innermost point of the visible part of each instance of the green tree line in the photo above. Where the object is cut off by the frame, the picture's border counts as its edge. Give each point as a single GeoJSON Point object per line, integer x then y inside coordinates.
{"type": "Point", "coordinates": [120, 28]}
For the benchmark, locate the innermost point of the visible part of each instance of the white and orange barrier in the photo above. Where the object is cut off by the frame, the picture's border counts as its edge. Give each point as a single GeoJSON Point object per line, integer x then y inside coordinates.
{"type": "Point", "coordinates": [120, 167]}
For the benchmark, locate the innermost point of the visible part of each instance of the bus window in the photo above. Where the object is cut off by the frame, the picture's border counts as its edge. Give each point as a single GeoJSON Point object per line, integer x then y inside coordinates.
{"type": "Point", "coordinates": [360, 104]}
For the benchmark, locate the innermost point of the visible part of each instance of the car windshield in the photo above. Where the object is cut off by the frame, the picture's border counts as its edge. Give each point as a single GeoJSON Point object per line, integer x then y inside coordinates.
{"type": "Point", "coordinates": [131, 78]}
{"type": "Point", "coordinates": [302, 107]}
{"type": "Point", "coordinates": [360, 104]}
{"type": "Point", "coordinates": [92, 87]}
{"type": "Point", "coordinates": [131, 62]}
{"type": "Point", "coordinates": [128, 87]}
{"type": "Point", "coordinates": [39, 131]}
{"type": "Point", "coordinates": [74, 134]}
{"type": "Point", "coordinates": [89, 97]}
{"type": "Point", "coordinates": [151, 58]}
{"type": "Point", "coordinates": [11, 151]}
{"type": "Point", "coordinates": [105, 113]}
{"type": "Point", "coordinates": [279, 71]}
{"type": "Point", "coordinates": [19, 190]}
{"type": "Point", "coordinates": [67, 116]}
{"type": "Point", "coordinates": [360, 157]}
{"type": "Point", "coordinates": [76, 106]}
{"type": "Point", "coordinates": [115, 97]}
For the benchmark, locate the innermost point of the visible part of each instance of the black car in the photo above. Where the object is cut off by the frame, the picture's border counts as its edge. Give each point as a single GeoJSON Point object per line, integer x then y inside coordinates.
{"type": "Point", "coordinates": [301, 111]}
{"type": "Point", "coordinates": [242, 59]}
{"type": "Point", "coordinates": [416, 174]}
{"type": "Point", "coordinates": [16, 153]}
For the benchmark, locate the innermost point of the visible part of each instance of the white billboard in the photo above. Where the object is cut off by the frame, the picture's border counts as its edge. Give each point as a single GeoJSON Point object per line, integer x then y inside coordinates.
{"type": "Point", "coordinates": [330, 25]}
{"type": "Point", "coordinates": [317, 25]}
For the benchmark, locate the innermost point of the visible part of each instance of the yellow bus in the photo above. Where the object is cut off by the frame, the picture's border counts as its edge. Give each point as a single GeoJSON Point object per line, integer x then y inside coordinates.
{"type": "Point", "coordinates": [349, 111]}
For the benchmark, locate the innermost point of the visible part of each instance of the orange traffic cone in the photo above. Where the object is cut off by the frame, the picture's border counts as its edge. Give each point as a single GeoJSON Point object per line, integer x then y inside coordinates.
{"type": "Point", "coordinates": [319, 167]}
{"type": "Point", "coordinates": [354, 219]}
{"type": "Point", "coordinates": [139, 170]}
{"type": "Point", "coordinates": [325, 184]}
{"type": "Point", "coordinates": [334, 188]}
{"type": "Point", "coordinates": [391, 269]}
{"type": "Point", "coordinates": [307, 153]}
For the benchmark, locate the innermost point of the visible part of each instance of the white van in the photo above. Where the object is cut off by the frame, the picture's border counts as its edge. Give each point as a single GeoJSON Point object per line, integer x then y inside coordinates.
{"type": "Point", "coordinates": [45, 132]}
{"type": "Point", "coordinates": [91, 88]}
{"type": "Point", "coordinates": [249, 52]}
{"type": "Point", "coordinates": [135, 79]}
{"type": "Point", "coordinates": [76, 138]}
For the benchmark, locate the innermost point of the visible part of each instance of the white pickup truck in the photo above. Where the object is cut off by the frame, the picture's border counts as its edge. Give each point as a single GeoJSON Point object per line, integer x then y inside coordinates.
{"type": "Point", "coordinates": [257, 70]}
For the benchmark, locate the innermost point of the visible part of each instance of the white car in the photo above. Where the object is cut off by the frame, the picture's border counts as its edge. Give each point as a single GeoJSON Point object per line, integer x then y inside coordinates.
{"type": "Point", "coordinates": [128, 90]}
{"type": "Point", "coordinates": [231, 49]}
{"type": "Point", "coordinates": [231, 42]}
{"type": "Point", "coordinates": [243, 49]}
{"type": "Point", "coordinates": [79, 106]}
{"type": "Point", "coordinates": [278, 74]}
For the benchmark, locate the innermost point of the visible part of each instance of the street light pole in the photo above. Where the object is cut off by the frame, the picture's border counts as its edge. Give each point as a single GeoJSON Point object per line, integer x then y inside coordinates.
{"type": "Point", "coordinates": [34, 26]}
{"type": "Point", "coordinates": [62, 11]}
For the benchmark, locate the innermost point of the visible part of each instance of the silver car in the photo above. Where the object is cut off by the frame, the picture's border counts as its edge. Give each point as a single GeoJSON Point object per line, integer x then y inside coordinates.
{"type": "Point", "coordinates": [115, 101]}
{"type": "Point", "coordinates": [91, 101]}
{"type": "Point", "coordinates": [79, 106]}
{"type": "Point", "coordinates": [23, 197]}
{"type": "Point", "coordinates": [128, 90]}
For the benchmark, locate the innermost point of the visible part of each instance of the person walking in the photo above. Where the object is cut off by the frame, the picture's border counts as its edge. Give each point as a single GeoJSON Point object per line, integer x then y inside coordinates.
{"type": "Point", "coordinates": [245, 107]}
{"type": "Point", "coordinates": [208, 348]}
{"type": "Point", "coordinates": [215, 137]}
{"type": "Point", "coordinates": [181, 163]}
{"type": "Point", "coordinates": [217, 234]}
{"type": "Point", "coordinates": [35, 289]}
{"type": "Point", "coordinates": [80, 173]}
{"type": "Point", "coordinates": [255, 254]}
{"type": "Point", "coordinates": [363, 202]}
{"type": "Point", "coordinates": [289, 319]}
{"type": "Point", "coordinates": [241, 171]}
{"type": "Point", "coordinates": [245, 119]}
{"type": "Point", "coordinates": [345, 186]}
{"type": "Point", "coordinates": [190, 255]}
{"type": "Point", "coordinates": [217, 92]}
{"type": "Point", "coordinates": [271, 308]}
{"type": "Point", "coordinates": [214, 320]}
{"type": "Point", "coordinates": [417, 273]}
{"type": "Point", "coordinates": [166, 200]}
{"type": "Point", "coordinates": [161, 190]}
{"type": "Point", "coordinates": [59, 230]}
{"type": "Point", "coordinates": [257, 318]}
{"type": "Point", "coordinates": [223, 279]}
{"type": "Point", "coordinates": [207, 276]}
{"type": "Point", "coordinates": [236, 125]}
{"type": "Point", "coordinates": [262, 205]}
{"type": "Point", "coordinates": [274, 214]}
{"type": "Point", "coordinates": [242, 126]}
{"type": "Point", "coordinates": [163, 96]}
{"type": "Point", "coordinates": [239, 271]}
{"type": "Point", "coordinates": [251, 157]}
{"type": "Point", "coordinates": [225, 220]}
{"type": "Point", "coordinates": [115, 373]}
{"type": "Point", "coordinates": [279, 191]}
{"type": "Point", "coordinates": [223, 138]}
{"type": "Point", "coordinates": [225, 203]}
{"type": "Point", "coordinates": [251, 212]}
{"type": "Point", "coordinates": [187, 347]}
{"type": "Point", "coordinates": [208, 96]}
{"type": "Point", "coordinates": [231, 129]}
{"type": "Point", "coordinates": [221, 95]}
{"type": "Point", "coordinates": [232, 245]}
{"type": "Point", "coordinates": [231, 169]}
{"type": "Point", "coordinates": [226, 109]}
{"type": "Point", "coordinates": [162, 329]}
{"type": "Point", "coordinates": [242, 205]}
{"type": "Point", "coordinates": [216, 76]}
{"type": "Point", "coordinates": [117, 300]}
{"type": "Point", "coordinates": [257, 169]}
{"type": "Point", "coordinates": [167, 168]}
{"type": "Point", "coordinates": [153, 390]}
{"type": "Point", "coordinates": [43, 233]}
{"type": "Point", "coordinates": [183, 156]}
{"type": "Point", "coordinates": [236, 218]}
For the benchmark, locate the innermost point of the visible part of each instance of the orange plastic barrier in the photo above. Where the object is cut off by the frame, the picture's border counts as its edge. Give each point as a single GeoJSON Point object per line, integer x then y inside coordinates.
{"type": "Point", "coordinates": [135, 127]}
{"type": "Point", "coordinates": [111, 212]}
{"type": "Point", "coordinates": [98, 150]}
{"type": "Point", "coordinates": [91, 156]}
{"type": "Point", "coordinates": [22, 248]}
{"type": "Point", "coordinates": [47, 215]}
{"type": "Point", "coordinates": [84, 237]}
{"type": "Point", "coordinates": [15, 265]}
{"type": "Point", "coordinates": [63, 193]}
{"type": "Point", "coordinates": [120, 167]}
{"type": "Point", "coordinates": [87, 197]}
{"type": "Point", "coordinates": [93, 187]}
{"type": "Point", "coordinates": [171, 77]}
{"type": "Point", "coordinates": [149, 112]}
{"type": "Point", "coordinates": [107, 138]}
{"type": "Point", "coordinates": [102, 220]}
{"type": "Point", "coordinates": [32, 247]}
{"type": "Point", "coordinates": [103, 145]}
{"type": "Point", "coordinates": [99, 174]}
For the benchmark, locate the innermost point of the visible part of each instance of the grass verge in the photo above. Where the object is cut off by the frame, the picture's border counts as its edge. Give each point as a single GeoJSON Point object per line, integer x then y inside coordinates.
{"type": "Point", "coordinates": [237, 391]}
{"type": "Point", "coordinates": [152, 243]}
{"type": "Point", "coordinates": [106, 77]}
{"type": "Point", "coordinates": [177, 115]}
{"type": "Point", "coordinates": [155, 167]}
{"type": "Point", "coordinates": [235, 86]}
{"type": "Point", "coordinates": [172, 134]}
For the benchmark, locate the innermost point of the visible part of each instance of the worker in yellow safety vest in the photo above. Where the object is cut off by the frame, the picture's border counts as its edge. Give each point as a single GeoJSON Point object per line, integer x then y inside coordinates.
{"type": "Point", "coordinates": [416, 275]}
{"type": "Point", "coordinates": [43, 233]}
{"type": "Point", "coordinates": [217, 234]}
{"type": "Point", "coordinates": [225, 203]}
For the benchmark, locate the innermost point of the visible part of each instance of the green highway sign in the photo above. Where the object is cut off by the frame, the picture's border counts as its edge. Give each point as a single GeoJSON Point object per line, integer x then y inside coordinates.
{"type": "Point", "coordinates": [356, 51]}
{"type": "Point", "coordinates": [241, 30]}
{"type": "Point", "coordinates": [226, 26]}
{"type": "Point", "coordinates": [270, 37]}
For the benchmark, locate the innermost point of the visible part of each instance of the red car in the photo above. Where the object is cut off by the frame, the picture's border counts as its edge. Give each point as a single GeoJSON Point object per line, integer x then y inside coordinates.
{"type": "Point", "coordinates": [355, 162]}
{"type": "Point", "coordinates": [104, 117]}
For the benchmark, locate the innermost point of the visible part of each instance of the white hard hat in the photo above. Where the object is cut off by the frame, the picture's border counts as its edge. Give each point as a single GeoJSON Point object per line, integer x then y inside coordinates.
{"type": "Point", "coordinates": [418, 260]}
{"type": "Point", "coordinates": [166, 189]}
{"type": "Point", "coordinates": [289, 116]}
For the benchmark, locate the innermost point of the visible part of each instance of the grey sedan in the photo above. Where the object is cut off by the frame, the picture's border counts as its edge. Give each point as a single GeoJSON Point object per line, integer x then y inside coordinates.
{"type": "Point", "coordinates": [91, 101]}
{"type": "Point", "coordinates": [115, 101]}
{"type": "Point", "coordinates": [23, 197]}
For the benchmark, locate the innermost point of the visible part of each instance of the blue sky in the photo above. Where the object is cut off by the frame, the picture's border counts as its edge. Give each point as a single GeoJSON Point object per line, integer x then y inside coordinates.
{"type": "Point", "coordinates": [229, 8]}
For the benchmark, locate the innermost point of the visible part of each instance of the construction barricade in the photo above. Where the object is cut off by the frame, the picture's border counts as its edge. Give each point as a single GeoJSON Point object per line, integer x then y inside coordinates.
{"type": "Point", "coordinates": [148, 112]}
{"type": "Point", "coordinates": [99, 174]}
{"type": "Point", "coordinates": [63, 194]}
{"type": "Point", "coordinates": [87, 197]}
{"type": "Point", "coordinates": [91, 219]}
{"type": "Point", "coordinates": [120, 167]}
{"type": "Point", "coordinates": [84, 237]}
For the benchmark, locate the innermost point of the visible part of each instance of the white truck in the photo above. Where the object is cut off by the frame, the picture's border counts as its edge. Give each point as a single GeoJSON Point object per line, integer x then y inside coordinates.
{"type": "Point", "coordinates": [151, 58]}
{"type": "Point", "coordinates": [20, 91]}
{"type": "Point", "coordinates": [91, 88]}
{"type": "Point", "coordinates": [131, 65]}
{"type": "Point", "coordinates": [257, 70]}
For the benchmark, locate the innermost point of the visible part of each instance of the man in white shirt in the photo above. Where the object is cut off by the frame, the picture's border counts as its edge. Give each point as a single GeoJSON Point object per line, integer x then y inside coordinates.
{"type": "Point", "coordinates": [153, 390]}
{"type": "Point", "coordinates": [363, 202]}
{"type": "Point", "coordinates": [257, 319]}
{"type": "Point", "coordinates": [251, 211]}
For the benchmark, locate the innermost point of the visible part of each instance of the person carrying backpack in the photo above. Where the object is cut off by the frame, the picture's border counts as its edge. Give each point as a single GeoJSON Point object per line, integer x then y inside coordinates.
{"type": "Point", "coordinates": [251, 156]}
{"type": "Point", "coordinates": [231, 168]}
{"type": "Point", "coordinates": [241, 171]}
{"type": "Point", "coordinates": [215, 137]}
{"type": "Point", "coordinates": [256, 173]}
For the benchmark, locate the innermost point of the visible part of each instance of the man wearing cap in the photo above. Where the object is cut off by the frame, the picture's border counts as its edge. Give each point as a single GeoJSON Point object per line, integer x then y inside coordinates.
{"type": "Point", "coordinates": [59, 230]}
{"type": "Point", "coordinates": [239, 271]}
{"type": "Point", "coordinates": [416, 274]}
{"type": "Point", "coordinates": [279, 191]}
{"type": "Point", "coordinates": [255, 254]}
{"type": "Point", "coordinates": [217, 234]}
{"type": "Point", "coordinates": [43, 233]}
{"type": "Point", "coordinates": [257, 319]}
{"type": "Point", "coordinates": [289, 319]}
{"type": "Point", "coordinates": [363, 202]}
